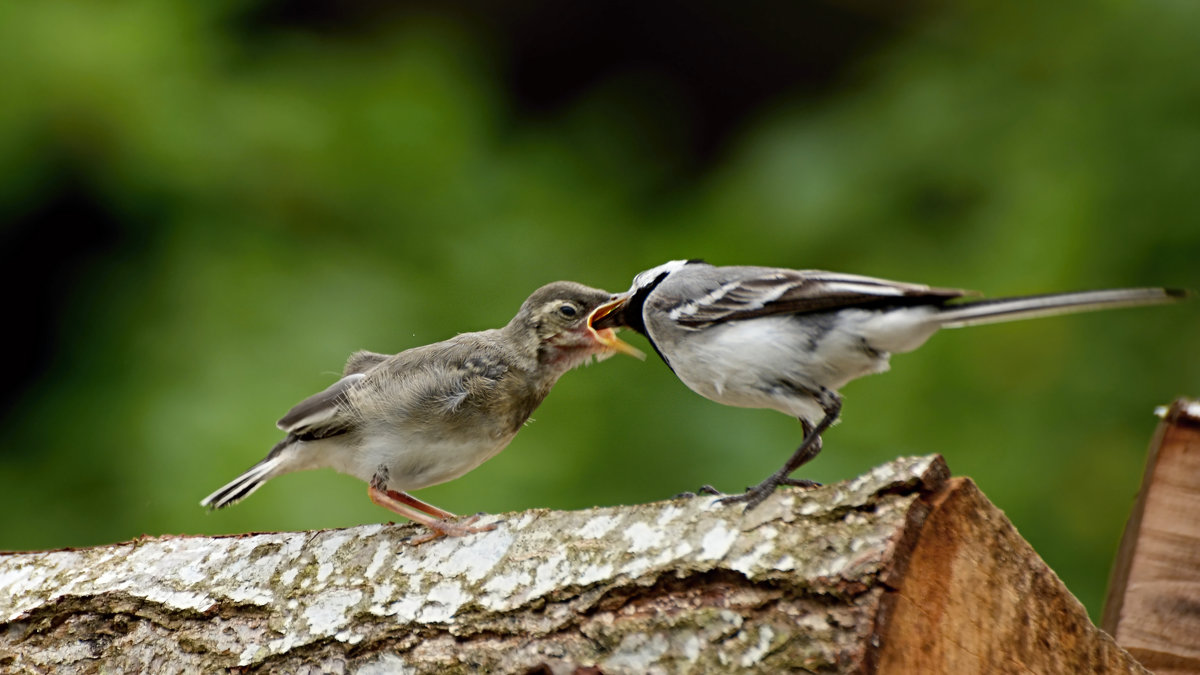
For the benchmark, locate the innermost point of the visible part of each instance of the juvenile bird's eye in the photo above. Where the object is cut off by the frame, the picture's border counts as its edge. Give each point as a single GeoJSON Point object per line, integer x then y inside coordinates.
{"type": "Point", "coordinates": [568, 310]}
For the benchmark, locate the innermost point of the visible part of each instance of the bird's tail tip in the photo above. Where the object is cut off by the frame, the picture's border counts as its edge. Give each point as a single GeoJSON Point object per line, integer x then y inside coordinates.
{"type": "Point", "coordinates": [1051, 304]}
{"type": "Point", "coordinates": [239, 488]}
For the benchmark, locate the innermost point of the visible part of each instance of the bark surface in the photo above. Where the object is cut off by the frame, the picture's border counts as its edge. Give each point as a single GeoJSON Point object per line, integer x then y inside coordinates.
{"type": "Point", "coordinates": [814, 580]}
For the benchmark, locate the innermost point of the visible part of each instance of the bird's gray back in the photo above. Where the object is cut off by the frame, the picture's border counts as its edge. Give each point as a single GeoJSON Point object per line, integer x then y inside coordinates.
{"type": "Point", "coordinates": [459, 385]}
{"type": "Point", "coordinates": [699, 294]}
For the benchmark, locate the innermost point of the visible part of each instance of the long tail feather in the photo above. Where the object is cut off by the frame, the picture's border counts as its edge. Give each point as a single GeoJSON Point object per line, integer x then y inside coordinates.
{"type": "Point", "coordinates": [1033, 306]}
{"type": "Point", "coordinates": [239, 488]}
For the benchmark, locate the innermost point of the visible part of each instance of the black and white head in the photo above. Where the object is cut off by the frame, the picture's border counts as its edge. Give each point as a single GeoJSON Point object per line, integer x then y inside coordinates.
{"type": "Point", "coordinates": [625, 310]}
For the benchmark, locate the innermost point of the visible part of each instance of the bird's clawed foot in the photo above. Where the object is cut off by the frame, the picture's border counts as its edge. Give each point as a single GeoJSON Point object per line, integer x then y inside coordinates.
{"type": "Point", "coordinates": [831, 403]}
{"type": "Point", "coordinates": [450, 528]}
{"type": "Point", "coordinates": [753, 496]}
{"type": "Point", "coordinates": [705, 489]}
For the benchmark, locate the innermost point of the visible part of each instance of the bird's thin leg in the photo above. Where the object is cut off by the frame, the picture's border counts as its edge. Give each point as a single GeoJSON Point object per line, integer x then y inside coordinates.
{"type": "Point", "coordinates": [412, 501]}
{"type": "Point", "coordinates": [379, 482]}
{"type": "Point", "coordinates": [831, 403]}
{"type": "Point", "coordinates": [439, 527]}
{"type": "Point", "coordinates": [813, 451]}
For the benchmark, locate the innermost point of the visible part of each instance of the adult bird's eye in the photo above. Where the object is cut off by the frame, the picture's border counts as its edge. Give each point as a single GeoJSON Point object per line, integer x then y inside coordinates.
{"type": "Point", "coordinates": [568, 310]}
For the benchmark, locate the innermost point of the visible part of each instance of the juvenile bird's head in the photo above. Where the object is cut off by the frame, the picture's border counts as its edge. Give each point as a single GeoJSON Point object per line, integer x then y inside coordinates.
{"type": "Point", "coordinates": [555, 317]}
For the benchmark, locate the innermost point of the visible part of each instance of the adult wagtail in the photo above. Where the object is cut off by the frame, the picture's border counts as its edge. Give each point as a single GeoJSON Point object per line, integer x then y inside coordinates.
{"type": "Point", "coordinates": [788, 340]}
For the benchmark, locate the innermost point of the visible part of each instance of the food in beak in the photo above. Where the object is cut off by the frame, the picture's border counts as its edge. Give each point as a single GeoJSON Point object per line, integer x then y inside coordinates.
{"type": "Point", "coordinates": [608, 315]}
{"type": "Point", "coordinates": [605, 334]}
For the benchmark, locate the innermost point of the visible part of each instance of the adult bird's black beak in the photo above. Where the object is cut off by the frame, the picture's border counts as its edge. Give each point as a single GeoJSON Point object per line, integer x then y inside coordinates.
{"type": "Point", "coordinates": [605, 319]}
{"type": "Point", "coordinates": [611, 314]}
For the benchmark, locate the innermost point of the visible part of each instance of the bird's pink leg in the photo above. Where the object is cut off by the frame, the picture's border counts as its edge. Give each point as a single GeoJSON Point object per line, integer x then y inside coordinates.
{"type": "Point", "coordinates": [412, 501]}
{"type": "Point", "coordinates": [428, 515]}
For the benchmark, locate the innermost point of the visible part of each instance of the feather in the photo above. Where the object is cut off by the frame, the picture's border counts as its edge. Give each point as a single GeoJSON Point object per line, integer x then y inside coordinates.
{"type": "Point", "coordinates": [320, 415]}
{"type": "Point", "coordinates": [760, 291]}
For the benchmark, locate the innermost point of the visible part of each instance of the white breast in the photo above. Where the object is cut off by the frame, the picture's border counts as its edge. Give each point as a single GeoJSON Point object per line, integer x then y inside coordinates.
{"type": "Point", "coordinates": [415, 461]}
{"type": "Point", "coordinates": [768, 362]}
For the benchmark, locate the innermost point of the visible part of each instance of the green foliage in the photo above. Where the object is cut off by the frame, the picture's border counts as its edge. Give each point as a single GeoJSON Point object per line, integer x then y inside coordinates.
{"type": "Point", "coordinates": [284, 202]}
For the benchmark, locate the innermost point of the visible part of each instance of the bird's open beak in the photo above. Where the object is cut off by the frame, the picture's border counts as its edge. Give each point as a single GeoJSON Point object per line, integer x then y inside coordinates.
{"type": "Point", "coordinates": [602, 322]}
{"type": "Point", "coordinates": [608, 315]}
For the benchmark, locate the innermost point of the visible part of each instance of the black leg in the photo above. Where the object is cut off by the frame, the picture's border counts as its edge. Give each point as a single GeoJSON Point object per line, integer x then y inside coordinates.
{"type": "Point", "coordinates": [809, 448]}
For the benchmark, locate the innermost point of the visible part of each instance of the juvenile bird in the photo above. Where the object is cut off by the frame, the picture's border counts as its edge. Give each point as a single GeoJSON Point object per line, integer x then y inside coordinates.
{"type": "Point", "coordinates": [431, 414]}
{"type": "Point", "coordinates": [763, 337]}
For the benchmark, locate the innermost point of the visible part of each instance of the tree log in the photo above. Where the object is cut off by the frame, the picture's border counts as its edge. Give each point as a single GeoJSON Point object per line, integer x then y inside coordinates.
{"type": "Point", "coordinates": [1153, 604]}
{"type": "Point", "coordinates": [900, 570]}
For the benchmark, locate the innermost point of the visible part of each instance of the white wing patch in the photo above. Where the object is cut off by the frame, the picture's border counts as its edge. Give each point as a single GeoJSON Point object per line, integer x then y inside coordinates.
{"type": "Point", "coordinates": [692, 306]}
{"type": "Point", "coordinates": [763, 294]}
{"type": "Point", "coordinates": [863, 289]}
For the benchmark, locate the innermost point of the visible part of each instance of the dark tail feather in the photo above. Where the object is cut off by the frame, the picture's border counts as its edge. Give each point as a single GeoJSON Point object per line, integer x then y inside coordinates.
{"type": "Point", "coordinates": [1033, 306]}
{"type": "Point", "coordinates": [248, 482]}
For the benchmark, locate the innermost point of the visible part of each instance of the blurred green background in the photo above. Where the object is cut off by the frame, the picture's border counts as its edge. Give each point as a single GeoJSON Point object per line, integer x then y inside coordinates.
{"type": "Point", "coordinates": [207, 206]}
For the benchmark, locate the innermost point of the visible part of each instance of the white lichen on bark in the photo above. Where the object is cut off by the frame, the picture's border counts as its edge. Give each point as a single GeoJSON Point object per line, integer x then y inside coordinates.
{"type": "Point", "coordinates": [664, 587]}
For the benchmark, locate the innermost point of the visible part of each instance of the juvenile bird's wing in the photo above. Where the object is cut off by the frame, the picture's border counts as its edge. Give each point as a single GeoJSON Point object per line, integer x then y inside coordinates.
{"type": "Point", "coordinates": [471, 385]}
{"type": "Point", "coordinates": [322, 415]}
{"type": "Point", "coordinates": [734, 293]}
{"type": "Point", "coordinates": [327, 413]}
{"type": "Point", "coordinates": [447, 378]}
